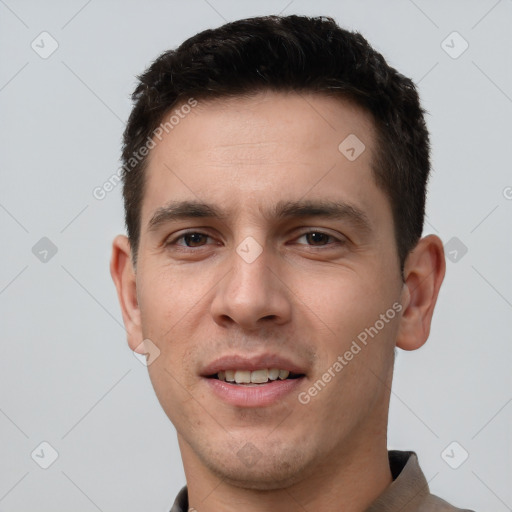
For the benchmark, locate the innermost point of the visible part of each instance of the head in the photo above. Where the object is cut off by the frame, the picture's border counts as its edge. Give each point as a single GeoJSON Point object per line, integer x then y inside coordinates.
{"type": "Point", "coordinates": [275, 174]}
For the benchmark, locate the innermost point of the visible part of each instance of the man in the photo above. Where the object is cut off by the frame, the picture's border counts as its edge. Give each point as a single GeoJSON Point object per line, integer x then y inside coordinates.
{"type": "Point", "coordinates": [274, 182]}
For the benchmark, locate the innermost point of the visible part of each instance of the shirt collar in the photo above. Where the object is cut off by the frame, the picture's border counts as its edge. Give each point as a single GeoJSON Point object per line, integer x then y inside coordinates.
{"type": "Point", "coordinates": [408, 488]}
{"type": "Point", "coordinates": [181, 501]}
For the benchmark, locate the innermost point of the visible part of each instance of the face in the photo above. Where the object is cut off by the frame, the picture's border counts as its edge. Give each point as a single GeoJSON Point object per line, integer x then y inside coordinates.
{"type": "Point", "coordinates": [286, 261]}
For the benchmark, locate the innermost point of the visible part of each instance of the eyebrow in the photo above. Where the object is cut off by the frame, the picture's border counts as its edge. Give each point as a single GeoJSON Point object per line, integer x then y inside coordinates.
{"type": "Point", "coordinates": [334, 210]}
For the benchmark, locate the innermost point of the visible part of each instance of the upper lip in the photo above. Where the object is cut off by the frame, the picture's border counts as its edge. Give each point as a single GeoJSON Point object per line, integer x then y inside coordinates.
{"type": "Point", "coordinates": [250, 363]}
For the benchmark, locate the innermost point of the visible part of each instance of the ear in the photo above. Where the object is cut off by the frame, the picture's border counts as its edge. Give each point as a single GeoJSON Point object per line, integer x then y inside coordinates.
{"type": "Point", "coordinates": [123, 275]}
{"type": "Point", "coordinates": [424, 272]}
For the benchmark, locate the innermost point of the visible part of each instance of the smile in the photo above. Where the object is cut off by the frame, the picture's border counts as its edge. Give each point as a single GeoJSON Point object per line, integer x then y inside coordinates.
{"type": "Point", "coordinates": [257, 377]}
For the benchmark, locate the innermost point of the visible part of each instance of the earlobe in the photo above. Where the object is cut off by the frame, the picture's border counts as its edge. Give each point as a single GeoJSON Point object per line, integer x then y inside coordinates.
{"type": "Point", "coordinates": [424, 273]}
{"type": "Point", "coordinates": [123, 275]}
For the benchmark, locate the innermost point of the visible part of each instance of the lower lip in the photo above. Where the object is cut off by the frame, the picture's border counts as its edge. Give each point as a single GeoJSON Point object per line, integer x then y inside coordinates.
{"type": "Point", "coordinates": [261, 395]}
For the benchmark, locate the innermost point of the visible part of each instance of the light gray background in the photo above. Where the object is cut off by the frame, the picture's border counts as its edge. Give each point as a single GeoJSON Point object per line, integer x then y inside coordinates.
{"type": "Point", "coordinates": [67, 374]}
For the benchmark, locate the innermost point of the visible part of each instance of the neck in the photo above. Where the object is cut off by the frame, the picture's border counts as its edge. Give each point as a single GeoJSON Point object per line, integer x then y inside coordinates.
{"type": "Point", "coordinates": [350, 481]}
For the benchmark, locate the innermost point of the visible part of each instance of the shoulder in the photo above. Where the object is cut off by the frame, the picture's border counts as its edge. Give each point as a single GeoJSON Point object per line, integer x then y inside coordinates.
{"type": "Point", "coordinates": [433, 503]}
{"type": "Point", "coordinates": [410, 490]}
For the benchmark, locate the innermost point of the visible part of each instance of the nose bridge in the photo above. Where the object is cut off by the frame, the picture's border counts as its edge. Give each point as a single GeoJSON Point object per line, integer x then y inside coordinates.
{"type": "Point", "coordinates": [251, 267]}
{"type": "Point", "coordinates": [250, 291]}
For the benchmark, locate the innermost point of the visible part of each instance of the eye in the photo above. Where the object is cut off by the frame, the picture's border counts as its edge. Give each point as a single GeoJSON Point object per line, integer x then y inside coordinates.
{"type": "Point", "coordinates": [320, 239]}
{"type": "Point", "coordinates": [191, 239]}
{"type": "Point", "coordinates": [196, 239]}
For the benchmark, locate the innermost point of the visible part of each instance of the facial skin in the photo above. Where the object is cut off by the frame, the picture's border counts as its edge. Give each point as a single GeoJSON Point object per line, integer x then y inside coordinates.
{"type": "Point", "coordinates": [305, 298]}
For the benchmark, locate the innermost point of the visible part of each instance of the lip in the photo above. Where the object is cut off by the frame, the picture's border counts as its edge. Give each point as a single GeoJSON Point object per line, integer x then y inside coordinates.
{"type": "Point", "coordinates": [251, 363]}
{"type": "Point", "coordinates": [262, 395]}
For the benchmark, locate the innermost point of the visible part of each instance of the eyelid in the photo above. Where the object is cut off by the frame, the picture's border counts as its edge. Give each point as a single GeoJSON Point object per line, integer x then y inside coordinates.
{"type": "Point", "coordinates": [173, 239]}
{"type": "Point", "coordinates": [339, 239]}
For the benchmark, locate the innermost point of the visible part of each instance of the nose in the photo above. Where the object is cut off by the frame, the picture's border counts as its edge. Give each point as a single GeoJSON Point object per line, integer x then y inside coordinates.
{"type": "Point", "coordinates": [252, 294]}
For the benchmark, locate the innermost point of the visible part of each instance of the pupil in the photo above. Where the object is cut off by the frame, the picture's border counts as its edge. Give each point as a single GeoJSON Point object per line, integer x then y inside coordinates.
{"type": "Point", "coordinates": [195, 236]}
{"type": "Point", "coordinates": [313, 236]}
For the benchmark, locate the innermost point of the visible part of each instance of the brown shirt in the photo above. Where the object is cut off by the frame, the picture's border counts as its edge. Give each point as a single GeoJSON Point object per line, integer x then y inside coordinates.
{"type": "Point", "coordinates": [408, 492]}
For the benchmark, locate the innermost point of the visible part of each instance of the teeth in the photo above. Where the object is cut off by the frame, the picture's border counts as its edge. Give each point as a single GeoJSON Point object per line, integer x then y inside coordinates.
{"type": "Point", "coordinates": [273, 374]}
{"type": "Point", "coordinates": [255, 377]}
{"type": "Point", "coordinates": [242, 377]}
{"type": "Point", "coordinates": [259, 376]}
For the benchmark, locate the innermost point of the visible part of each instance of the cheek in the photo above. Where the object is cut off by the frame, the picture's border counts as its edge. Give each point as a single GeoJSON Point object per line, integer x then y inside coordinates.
{"type": "Point", "coordinates": [344, 317]}
{"type": "Point", "coordinates": [345, 301]}
{"type": "Point", "coordinates": [166, 296]}
{"type": "Point", "coordinates": [166, 308]}
{"type": "Point", "coordinates": [173, 396]}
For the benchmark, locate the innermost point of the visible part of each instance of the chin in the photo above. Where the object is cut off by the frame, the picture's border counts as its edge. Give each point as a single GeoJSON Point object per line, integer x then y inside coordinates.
{"type": "Point", "coordinates": [270, 472]}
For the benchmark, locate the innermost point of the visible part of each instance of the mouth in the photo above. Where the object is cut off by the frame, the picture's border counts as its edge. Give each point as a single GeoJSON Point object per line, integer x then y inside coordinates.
{"type": "Point", "coordinates": [255, 377]}
{"type": "Point", "coordinates": [253, 380]}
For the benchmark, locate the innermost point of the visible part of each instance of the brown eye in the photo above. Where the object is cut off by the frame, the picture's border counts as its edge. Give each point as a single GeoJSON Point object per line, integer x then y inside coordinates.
{"type": "Point", "coordinates": [194, 238]}
{"type": "Point", "coordinates": [315, 238]}
{"type": "Point", "coordinates": [191, 239]}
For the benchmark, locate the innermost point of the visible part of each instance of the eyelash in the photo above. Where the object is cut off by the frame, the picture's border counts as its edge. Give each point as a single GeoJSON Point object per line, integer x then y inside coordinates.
{"type": "Point", "coordinates": [173, 242]}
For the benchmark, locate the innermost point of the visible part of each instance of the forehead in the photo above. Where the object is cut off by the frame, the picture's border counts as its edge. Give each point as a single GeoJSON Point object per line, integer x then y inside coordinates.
{"type": "Point", "coordinates": [248, 153]}
{"type": "Point", "coordinates": [251, 128]}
